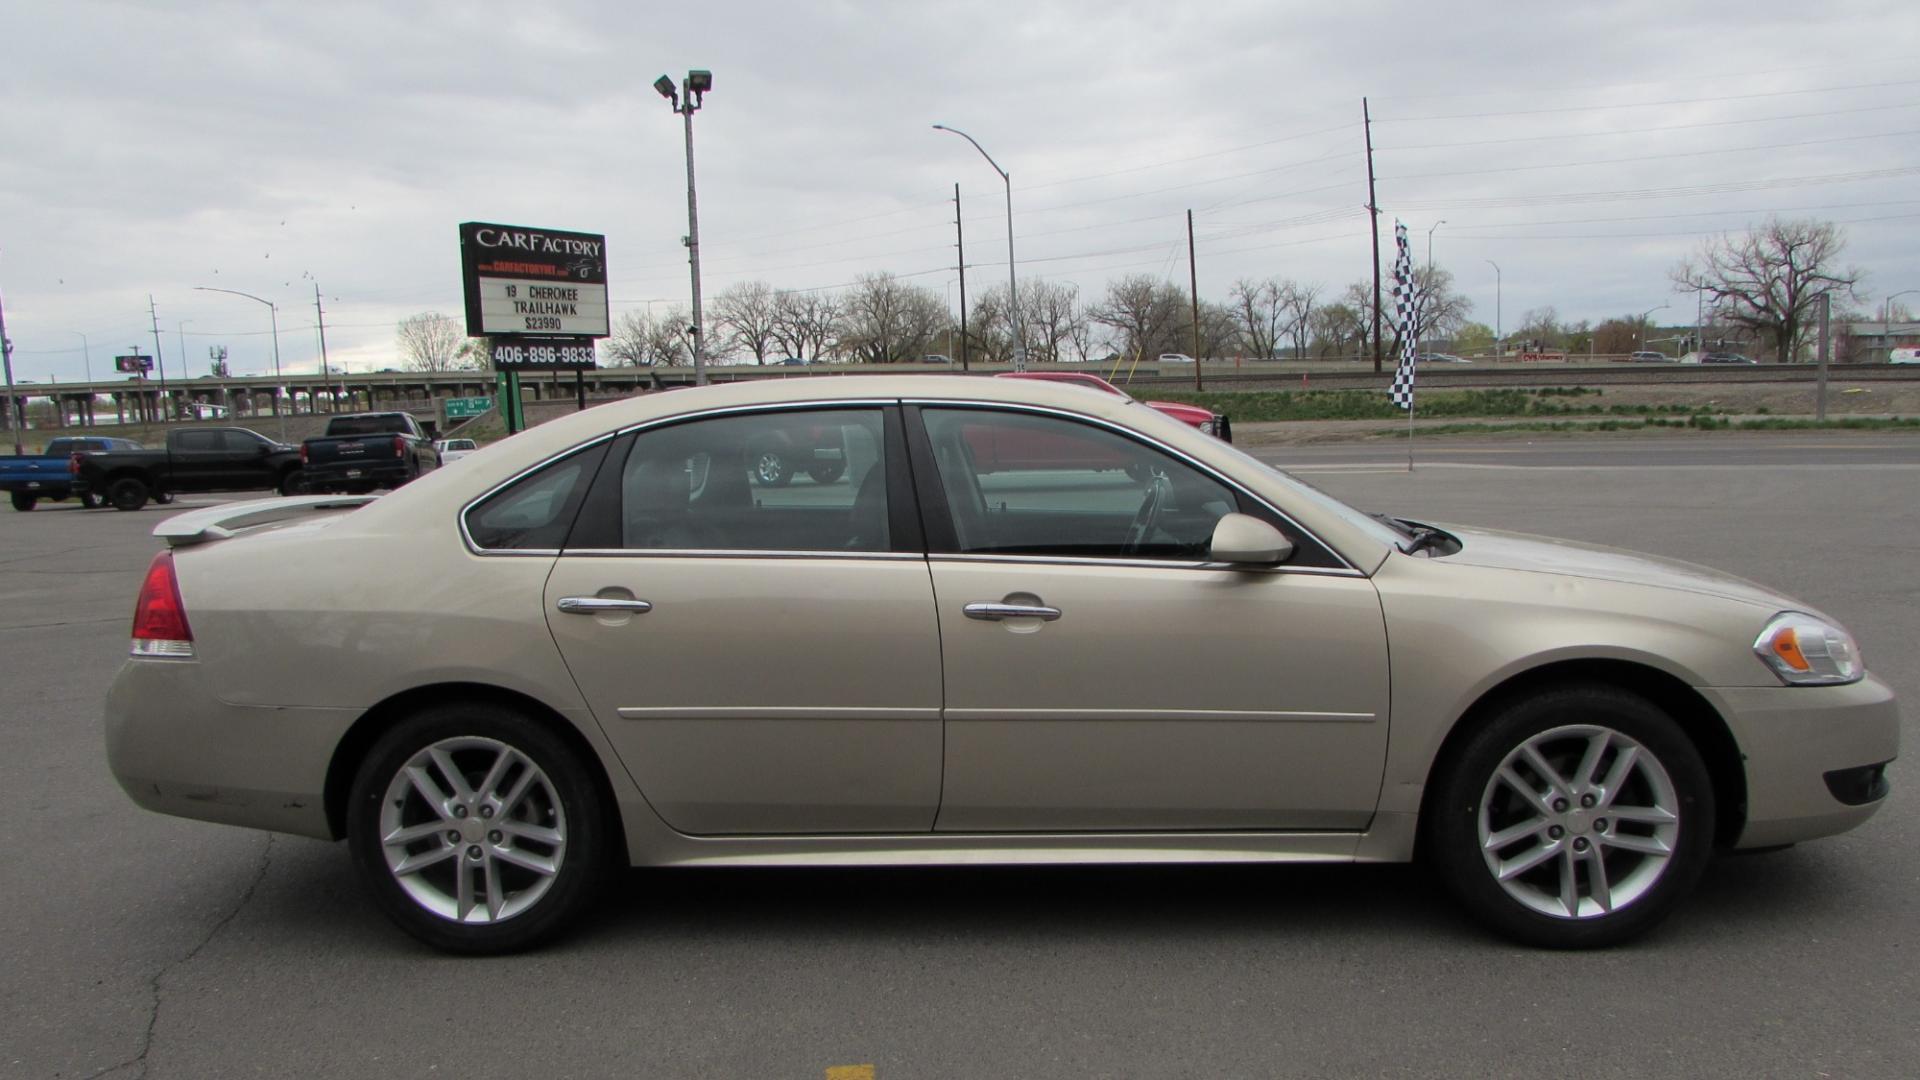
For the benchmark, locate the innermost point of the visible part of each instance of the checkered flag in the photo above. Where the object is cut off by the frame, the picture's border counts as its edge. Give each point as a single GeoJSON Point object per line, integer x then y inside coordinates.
{"type": "Point", "coordinates": [1403, 286]}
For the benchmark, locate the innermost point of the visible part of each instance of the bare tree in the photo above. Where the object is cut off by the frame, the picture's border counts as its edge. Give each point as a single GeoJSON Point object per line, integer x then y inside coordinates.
{"type": "Point", "coordinates": [889, 320]}
{"type": "Point", "coordinates": [1053, 310]}
{"type": "Point", "coordinates": [1340, 329]}
{"type": "Point", "coordinates": [1220, 332]}
{"type": "Point", "coordinates": [668, 343]}
{"type": "Point", "coordinates": [627, 346]}
{"type": "Point", "coordinates": [431, 341]}
{"type": "Point", "coordinates": [1437, 310]}
{"type": "Point", "coordinates": [1298, 303]}
{"type": "Point", "coordinates": [990, 329]}
{"type": "Point", "coordinates": [1540, 328]}
{"type": "Point", "coordinates": [1260, 312]}
{"type": "Point", "coordinates": [1146, 315]}
{"type": "Point", "coordinates": [746, 313]}
{"type": "Point", "coordinates": [1770, 279]}
{"type": "Point", "coordinates": [806, 323]}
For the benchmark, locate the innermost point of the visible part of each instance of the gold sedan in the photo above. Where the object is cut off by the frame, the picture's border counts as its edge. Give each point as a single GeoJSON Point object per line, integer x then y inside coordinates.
{"type": "Point", "coordinates": [943, 620]}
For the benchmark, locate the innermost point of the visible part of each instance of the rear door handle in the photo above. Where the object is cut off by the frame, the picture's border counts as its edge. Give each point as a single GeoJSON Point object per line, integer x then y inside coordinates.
{"type": "Point", "coordinates": [596, 605]}
{"type": "Point", "coordinates": [994, 612]}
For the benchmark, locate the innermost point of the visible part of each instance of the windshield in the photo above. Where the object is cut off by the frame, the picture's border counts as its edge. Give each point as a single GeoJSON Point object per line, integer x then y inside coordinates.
{"type": "Point", "coordinates": [1376, 526]}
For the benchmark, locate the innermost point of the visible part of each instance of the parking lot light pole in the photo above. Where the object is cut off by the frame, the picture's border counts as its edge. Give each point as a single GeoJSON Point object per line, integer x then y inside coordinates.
{"type": "Point", "coordinates": [273, 320]}
{"type": "Point", "coordinates": [1013, 288]}
{"type": "Point", "coordinates": [1499, 348]}
{"type": "Point", "coordinates": [686, 100]}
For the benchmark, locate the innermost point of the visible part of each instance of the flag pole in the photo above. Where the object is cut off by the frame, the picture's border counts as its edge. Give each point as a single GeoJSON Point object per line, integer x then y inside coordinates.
{"type": "Point", "coordinates": [1409, 433]}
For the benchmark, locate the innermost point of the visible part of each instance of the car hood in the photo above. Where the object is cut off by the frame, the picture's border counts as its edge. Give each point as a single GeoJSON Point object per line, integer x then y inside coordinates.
{"type": "Point", "coordinates": [1547, 555]}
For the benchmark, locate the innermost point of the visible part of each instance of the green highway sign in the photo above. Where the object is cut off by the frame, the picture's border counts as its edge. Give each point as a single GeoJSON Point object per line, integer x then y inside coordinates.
{"type": "Point", "coordinates": [463, 408]}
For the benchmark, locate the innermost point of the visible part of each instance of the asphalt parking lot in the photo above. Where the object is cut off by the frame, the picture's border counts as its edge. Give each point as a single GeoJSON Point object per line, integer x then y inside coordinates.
{"type": "Point", "coordinates": [139, 945]}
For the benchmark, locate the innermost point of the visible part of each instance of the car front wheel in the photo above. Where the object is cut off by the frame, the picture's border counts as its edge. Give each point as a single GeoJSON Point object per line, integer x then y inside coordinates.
{"type": "Point", "coordinates": [478, 829]}
{"type": "Point", "coordinates": [1576, 818]}
{"type": "Point", "coordinates": [770, 469]}
{"type": "Point", "coordinates": [23, 501]}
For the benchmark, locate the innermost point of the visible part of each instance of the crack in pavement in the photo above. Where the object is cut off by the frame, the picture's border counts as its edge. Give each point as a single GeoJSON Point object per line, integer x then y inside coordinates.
{"type": "Point", "coordinates": [153, 984]}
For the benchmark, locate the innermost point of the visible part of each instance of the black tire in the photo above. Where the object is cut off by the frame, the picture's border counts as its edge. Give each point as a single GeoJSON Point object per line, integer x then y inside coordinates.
{"type": "Point", "coordinates": [162, 498]}
{"type": "Point", "coordinates": [770, 468]}
{"type": "Point", "coordinates": [89, 501]}
{"type": "Point", "coordinates": [24, 501]}
{"type": "Point", "coordinates": [826, 474]}
{"type": "Point", "coordinates": [127, 493]}
{"type": "Point", "coordinates": [570, 800]}
{"type": "Point", "coordinates": [1561, 723]}
{"type": "Point", "coordinates": [293, 482]}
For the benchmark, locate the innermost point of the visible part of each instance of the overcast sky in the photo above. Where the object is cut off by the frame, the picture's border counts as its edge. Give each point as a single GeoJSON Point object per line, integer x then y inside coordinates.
{"type": "Point", "coordinates": [147, 148]}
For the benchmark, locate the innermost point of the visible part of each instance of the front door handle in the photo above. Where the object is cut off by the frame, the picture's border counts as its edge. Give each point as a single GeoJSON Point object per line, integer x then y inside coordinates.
{"type": "Point", "coordinates": [994, 612]}
{"type": "Point", "coordinates": [597, 605]}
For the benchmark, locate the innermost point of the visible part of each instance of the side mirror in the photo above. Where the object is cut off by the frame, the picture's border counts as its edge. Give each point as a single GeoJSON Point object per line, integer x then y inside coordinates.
{"type": "Point", "coordinates": [1248, 541]}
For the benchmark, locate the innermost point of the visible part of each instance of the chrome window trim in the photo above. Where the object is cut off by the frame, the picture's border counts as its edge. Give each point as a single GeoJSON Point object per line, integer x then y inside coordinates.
{"type": "Point", "coordinates": [1130, 433]}
{"type": "Point", "coordinates": [466, 536]}
{"type": "Point", "coordinates": [738, 553]}
{"type": "Point", "coordinates": [771, 406]}
{"type": "Point", "coordinates": [1148, 564]}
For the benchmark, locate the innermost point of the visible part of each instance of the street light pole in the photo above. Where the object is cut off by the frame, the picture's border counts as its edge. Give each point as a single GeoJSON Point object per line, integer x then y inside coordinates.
{"type": "Point", "coordinates": [13, 414]}
{"type": "Point", "coordinates": [1013, 287]}
{"type": "Point", "coordinates": [1640, 329]}
{"type": "Point", "coordinates": [686, 100]}
{"type": "Point", "coordinates": [273, 319]}
{"type": "Point", "coordinates": [1886, 317]}
{"type": "Point", "coordinates": [1499, 347]}
{"type": "Point", "coordinates": [1420, 294]}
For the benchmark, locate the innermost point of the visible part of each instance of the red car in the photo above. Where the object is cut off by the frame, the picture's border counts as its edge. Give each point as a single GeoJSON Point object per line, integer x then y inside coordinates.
{"type": "Point", "coordinates": [1213, 423]}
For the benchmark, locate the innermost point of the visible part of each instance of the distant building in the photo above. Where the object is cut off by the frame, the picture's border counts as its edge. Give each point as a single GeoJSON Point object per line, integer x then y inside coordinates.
{"type": "Point", "coordinates": [1869, 342]}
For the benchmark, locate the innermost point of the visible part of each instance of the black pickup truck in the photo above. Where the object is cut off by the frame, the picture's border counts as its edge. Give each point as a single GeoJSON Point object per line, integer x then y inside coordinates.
{"type": "Point", "coordinates": [364, 451]}
{"type": "Point", "coordinates": [195, 460]}
{"type": "Point", "coordinates": [53, 473]}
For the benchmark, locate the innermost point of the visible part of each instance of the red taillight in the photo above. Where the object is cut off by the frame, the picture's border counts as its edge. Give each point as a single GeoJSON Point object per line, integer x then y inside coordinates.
{"type": "Point", "coordinates": [159, 617]}
{"type": "Point", "coordinates": [73, 464]}
{"type": "Point", "coordinates": [303, 453]}
{"type": "Point", "coordinates": [399, 448]}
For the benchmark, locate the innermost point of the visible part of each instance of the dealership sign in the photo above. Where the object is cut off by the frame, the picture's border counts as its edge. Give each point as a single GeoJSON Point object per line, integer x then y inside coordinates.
{"type": "Point", "coordinates": [523, 281]}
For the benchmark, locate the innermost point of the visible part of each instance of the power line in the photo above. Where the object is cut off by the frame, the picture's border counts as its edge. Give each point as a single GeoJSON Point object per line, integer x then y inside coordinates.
{"type": "Point", "coordinates": [1468, 234]}
{"type": "Point", "coordinates": [1637, 194]}
{"type": "Point", "coordinates": [1657, 128]}
{"type": "Point", "coordinates": [1647, 104]}
{"type": "Point", "coordinates": [1654, 157]}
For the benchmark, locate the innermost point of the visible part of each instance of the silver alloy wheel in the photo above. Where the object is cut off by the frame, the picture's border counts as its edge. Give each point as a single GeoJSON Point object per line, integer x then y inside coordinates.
{"type": "Point", "coordinates": [473, 830]}
{"type": "Point", "coordinates": [1578, 822]}
{"type": "Point", "coordinates": [769, 468]}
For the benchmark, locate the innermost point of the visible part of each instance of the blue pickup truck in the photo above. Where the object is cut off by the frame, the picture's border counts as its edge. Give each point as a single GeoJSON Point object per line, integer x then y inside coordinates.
{"type": "Point", "coordinates": [53, 474]}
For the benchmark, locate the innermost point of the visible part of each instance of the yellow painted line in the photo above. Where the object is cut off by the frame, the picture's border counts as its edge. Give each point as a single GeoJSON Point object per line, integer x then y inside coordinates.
{"type": "Point", "coordinates": [849, 1072]}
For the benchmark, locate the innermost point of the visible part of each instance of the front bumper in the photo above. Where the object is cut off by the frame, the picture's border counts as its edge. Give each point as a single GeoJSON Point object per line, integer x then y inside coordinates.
{"type": "Point", "coordinates": [1792, 737]}
{"type": "Point", "coordinates": [177, 749]}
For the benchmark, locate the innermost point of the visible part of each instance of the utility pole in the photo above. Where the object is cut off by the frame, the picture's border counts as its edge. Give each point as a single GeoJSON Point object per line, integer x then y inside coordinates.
{"type": "Point", "coordinates": [320, 319]}
{"type": "Point", "coordinates": [960, 243]}
{"type": "Point", "coordinates": [1193, 294]}
{"type": "Point", "coordinates": [166, 406]}
{"type": "Point", "coordinates": [1373, 221]}
{"type": "Point", "coordinates": [13, 414]}
{"type": "Point", "coordinates": [1826, 310]}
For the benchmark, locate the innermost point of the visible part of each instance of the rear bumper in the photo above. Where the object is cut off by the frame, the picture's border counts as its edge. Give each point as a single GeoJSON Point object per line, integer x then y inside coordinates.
{"type": "Point", "coordinates": [1793, 738]}
{"type": "Point", "coordinates": [177, 750]}
{"type": "Point", "coordinates": [342, 474]}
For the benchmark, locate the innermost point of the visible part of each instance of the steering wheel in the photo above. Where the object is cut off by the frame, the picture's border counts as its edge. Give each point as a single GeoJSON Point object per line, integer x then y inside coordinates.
{"type": "Point", "coordinates": [1145, 518]}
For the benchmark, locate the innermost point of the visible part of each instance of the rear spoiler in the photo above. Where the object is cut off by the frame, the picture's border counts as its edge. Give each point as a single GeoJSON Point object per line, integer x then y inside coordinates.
{"type": "Point", "coordinates": [221, 522]}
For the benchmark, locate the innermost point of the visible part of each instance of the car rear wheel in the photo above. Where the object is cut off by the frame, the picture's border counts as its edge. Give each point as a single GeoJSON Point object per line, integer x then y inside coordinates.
{"type": "Point", "coordinates": [825, 474]}
{"type": "Point", "coordinates": [23, 501]}
{"type": "Point", "coordinates": [1575, 818]}
{"type": "Point", "coordinates": [477, 829]}
{"type": "Point", "coordinates": [89, 501]}
{"type": "Point", "coordinates": [293, 482]}
{"type": "Point", "coordinates": [127, 493]}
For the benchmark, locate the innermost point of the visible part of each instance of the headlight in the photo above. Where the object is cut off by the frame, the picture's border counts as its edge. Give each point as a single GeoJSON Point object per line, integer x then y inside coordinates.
{"type": "Point", "coordinates": [1805, 651]}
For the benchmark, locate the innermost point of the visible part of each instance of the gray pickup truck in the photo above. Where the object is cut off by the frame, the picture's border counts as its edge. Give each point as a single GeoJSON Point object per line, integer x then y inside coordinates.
{"type": "Point", "coordinates": [364, 451]}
